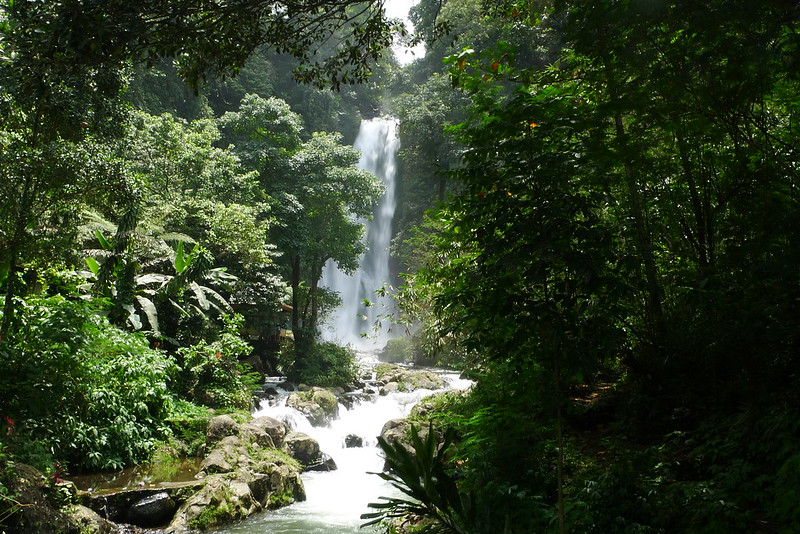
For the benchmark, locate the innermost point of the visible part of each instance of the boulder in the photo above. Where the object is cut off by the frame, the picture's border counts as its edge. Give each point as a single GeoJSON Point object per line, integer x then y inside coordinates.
{"type": "Point", "coordinates": [408, 379]}
{"type": "Point", "coordinates": [256, 434]}
{"type": "Point", "coordinates": [302, 448]}
{"type": "Point", "coordinates": [277, 430]}
{"type": "Point", "coordinates": [224, 457]}
{"type": "Point", "coordinates": [324, 463]}
{"type": "Point", "coordinates": [222, 498]}
{"type": "Point", "coordinates": [152, 511]}
{"type": "Point", "coordinates": [399, 430]}
{"type": "Point", "coordinates": [391, 387]}
{"type": "Point", "coordinates": [319, 405]}
{"type": "Point", "coordinates": [219, 427]}
{"type": "Point", "coordinates": [352, 441]}
{"type": "Point", "coordinates": [87, 521]}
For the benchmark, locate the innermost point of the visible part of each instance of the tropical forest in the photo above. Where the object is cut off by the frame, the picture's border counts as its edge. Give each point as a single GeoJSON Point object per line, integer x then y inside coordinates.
{"type": "Point", "coordinates": [399, 266]}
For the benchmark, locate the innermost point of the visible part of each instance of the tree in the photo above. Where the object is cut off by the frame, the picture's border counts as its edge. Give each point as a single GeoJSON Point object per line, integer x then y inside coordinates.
{"type": "Point", "coordinates": [203, 194]}
{"type": "Point", "coordinates": [628, 209]}
{"type": "Point", "coordinates": [206, 38]}
{"type": "Point", "coordinates": [63, 63]}
{"type": "Point", "coordinates": [319, 195]}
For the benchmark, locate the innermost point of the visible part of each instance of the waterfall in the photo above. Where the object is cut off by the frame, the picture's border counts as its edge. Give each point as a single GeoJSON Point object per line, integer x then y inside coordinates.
{"type": "Point", "coordinates": [352, 323]}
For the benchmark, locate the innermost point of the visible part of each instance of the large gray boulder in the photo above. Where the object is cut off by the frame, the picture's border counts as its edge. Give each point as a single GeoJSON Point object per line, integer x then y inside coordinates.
{"type": "Point", "coordinates": [302, 447]}
{"type": "Point", "coordinates": [399, 431]}
{"type": "Point", "coordinates": [87, 521]}
{"type": "Point", "coordinates": [397, 378]}
{"type": "Point", "coordinates": [219, 427]}
{"type": "Point", "coordinates": [222, 498]}
{"type": "Point", "coordinates": [242, 477]}
{"type": "Point", "coordinates": [305, 450]}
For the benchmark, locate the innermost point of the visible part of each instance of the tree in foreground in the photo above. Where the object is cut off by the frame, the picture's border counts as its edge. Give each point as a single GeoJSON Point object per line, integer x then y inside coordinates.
{"type": "Point", "coordinates": [628, 219]}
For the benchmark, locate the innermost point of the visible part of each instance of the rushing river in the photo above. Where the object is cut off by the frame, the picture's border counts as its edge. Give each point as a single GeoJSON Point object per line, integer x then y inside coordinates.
{"type": "Point", "coordinates": [336, 499]}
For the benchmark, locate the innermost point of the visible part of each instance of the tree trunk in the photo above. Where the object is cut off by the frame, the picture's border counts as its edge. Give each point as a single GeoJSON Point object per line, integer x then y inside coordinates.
{"type": "Point", "coordinates": [13, 258]}
{"type": "Point", "coordinates": [644, 246]}
{"type": "Point", "coordinates": [296, 295]}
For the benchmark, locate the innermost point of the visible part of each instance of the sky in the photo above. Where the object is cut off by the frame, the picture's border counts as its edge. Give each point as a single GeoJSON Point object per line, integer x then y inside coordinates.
{"type": "Point", "coordinates": [399, 9]}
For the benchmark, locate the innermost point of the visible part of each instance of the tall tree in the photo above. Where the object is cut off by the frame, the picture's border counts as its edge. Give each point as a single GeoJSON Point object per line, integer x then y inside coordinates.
{"type": "Point", "coordinates": [320, 197]}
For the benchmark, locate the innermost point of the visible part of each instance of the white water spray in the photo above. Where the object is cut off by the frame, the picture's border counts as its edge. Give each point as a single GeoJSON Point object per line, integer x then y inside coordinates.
{"type": "Point", "coordinates": [354, 322]}
{"type": "Point", "coordinates": [336, 499]}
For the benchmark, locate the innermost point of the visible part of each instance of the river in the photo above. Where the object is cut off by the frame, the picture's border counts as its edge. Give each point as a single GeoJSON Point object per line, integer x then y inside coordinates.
{"type": "Point", "coordinates": [336, 499]}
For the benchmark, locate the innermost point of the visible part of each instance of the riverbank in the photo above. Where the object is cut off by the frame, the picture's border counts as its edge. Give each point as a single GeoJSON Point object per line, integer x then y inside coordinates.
{"type": "Point", "coordinates": [245, 465]}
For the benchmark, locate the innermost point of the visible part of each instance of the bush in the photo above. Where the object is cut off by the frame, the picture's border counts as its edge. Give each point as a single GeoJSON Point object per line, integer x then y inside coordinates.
{"type": "Point", "coordinates": [211, 373]}
{"type": "Point", "coordinates": [80, 389]}
{"type": "Point", "coordinates": [326, 364]}
{"type": "Point", "coordinates": [399, 350]}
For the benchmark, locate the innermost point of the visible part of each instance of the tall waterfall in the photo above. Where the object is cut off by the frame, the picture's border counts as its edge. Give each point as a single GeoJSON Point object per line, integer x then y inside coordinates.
{"type": "Point", "coordinates": [353, 322]}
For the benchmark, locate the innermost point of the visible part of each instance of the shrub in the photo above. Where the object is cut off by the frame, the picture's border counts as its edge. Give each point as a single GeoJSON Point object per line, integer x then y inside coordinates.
{"type": "Point", "coordinates": [81, 389]}
{"type": "Point", "coordinates": [325, 364]}
{"type": "Point", "coordinates": [399, 350]}
{"type": "Point", "coordinates": [211, 373]}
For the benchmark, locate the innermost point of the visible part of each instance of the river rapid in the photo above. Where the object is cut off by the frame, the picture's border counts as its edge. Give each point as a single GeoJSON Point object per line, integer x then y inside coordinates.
{"type": "Point", "coordinates": [336, 499]}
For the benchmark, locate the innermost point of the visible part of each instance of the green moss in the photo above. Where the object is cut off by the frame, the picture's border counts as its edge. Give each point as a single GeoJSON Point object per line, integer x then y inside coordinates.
{"type": "Point", "coordinates": [208, 518]}
{"type": "Point", "coordinates": [213, 514]}
{"type": "Point", "coordinates": [382, 369]}
{"type": "Point", "coordinates": [279, 500]}
{"type": "Point", "coordinates": [275, 456]}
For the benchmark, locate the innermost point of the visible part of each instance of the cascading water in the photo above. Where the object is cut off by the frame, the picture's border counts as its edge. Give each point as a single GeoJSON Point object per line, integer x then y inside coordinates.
{"type": "Point", "coordinates": [336, 499]}
{"type": "Point", "coordinates": [354, 322]}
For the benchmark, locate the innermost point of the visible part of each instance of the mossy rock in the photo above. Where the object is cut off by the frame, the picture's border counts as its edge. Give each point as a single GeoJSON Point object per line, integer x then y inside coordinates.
{"type": "Point", "coordinates": [405, 379]}
{"type": "Point", "coordinates": [319, 405]}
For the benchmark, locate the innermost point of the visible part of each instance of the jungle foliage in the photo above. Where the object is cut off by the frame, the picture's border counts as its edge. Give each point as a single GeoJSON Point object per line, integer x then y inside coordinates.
{"type": "Point", "coordinates": [141, 251]}
{"type": "Point", "coordinates": [614, 264]}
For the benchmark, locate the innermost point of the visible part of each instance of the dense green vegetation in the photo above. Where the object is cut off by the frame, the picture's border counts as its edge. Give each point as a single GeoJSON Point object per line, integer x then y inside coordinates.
{"type": "Point", "coordinates": [615, 266]}
{"type": "Point", "coordinates": [597, 223]}
{"type": "Point", "coordinates": [158, 232]}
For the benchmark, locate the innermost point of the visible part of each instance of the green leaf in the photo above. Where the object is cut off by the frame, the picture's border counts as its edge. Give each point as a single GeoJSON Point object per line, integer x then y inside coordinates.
{"type": "Point", "coordinates": [181, 261]}
{"type": "Point", "coordinates": [200, 295]}
{"type": "Point", "coordinates": [103, 241]}
{"type": "Point", "coordinates": [151, 312]}
{"type": "Point", "coordinates": [4, 268]}
{"type": "Point", "coordinates": [133, 317]}
{"type": "Point", "coordinates": [93, 266]}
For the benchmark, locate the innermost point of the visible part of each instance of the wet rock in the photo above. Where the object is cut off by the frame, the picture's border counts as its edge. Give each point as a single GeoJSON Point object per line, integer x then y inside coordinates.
{"type": "Point", "coordinates": [302, 448]}
{"type": "Point", "coordinates": [391, 387]}
{"type": "Point", "coordinates": [399, 431]}
{"type": "Point", "coordinates": [224, 457]}
{"type": "Point", "coordinates": [87, 521]}
{"type": "Point", "coordinates": [324, 463]}
{"type": "Point", "coordinates": [352, 441]}
{"type": "Point", "coordinates": [153, 511]}
{"type": "Point", "coordinates": [219, 427]}
{"type": "Point", "coordinates": [276, 429]}
{"type": "Point", "coordinates": [319, 405]}
{"type": "Point", "coordinates": [408, 379]}
{"type": "Point", "coordinates": [256, 434]}
{"type": "Point", "coordinates": [222, 499]}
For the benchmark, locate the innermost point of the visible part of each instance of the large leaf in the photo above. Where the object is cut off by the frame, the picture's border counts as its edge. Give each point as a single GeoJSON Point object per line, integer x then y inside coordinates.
{"type": "Point", "coordinates": [181, 261]}
{"type": "Point", "coordinates": [103, 241]}
{"type": "Point", "coordinates": [200, 295]}
{"type": "Point", "coordinates": [133, 317]}
{"type": "Point", "coordinates": [93, 266]}
{"type": "Point", "coordinates": [151, 312]}
{"type": "Point", "coordinates": [152, 278]}
{"type": "Point", "coordinates": [217, 301]}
